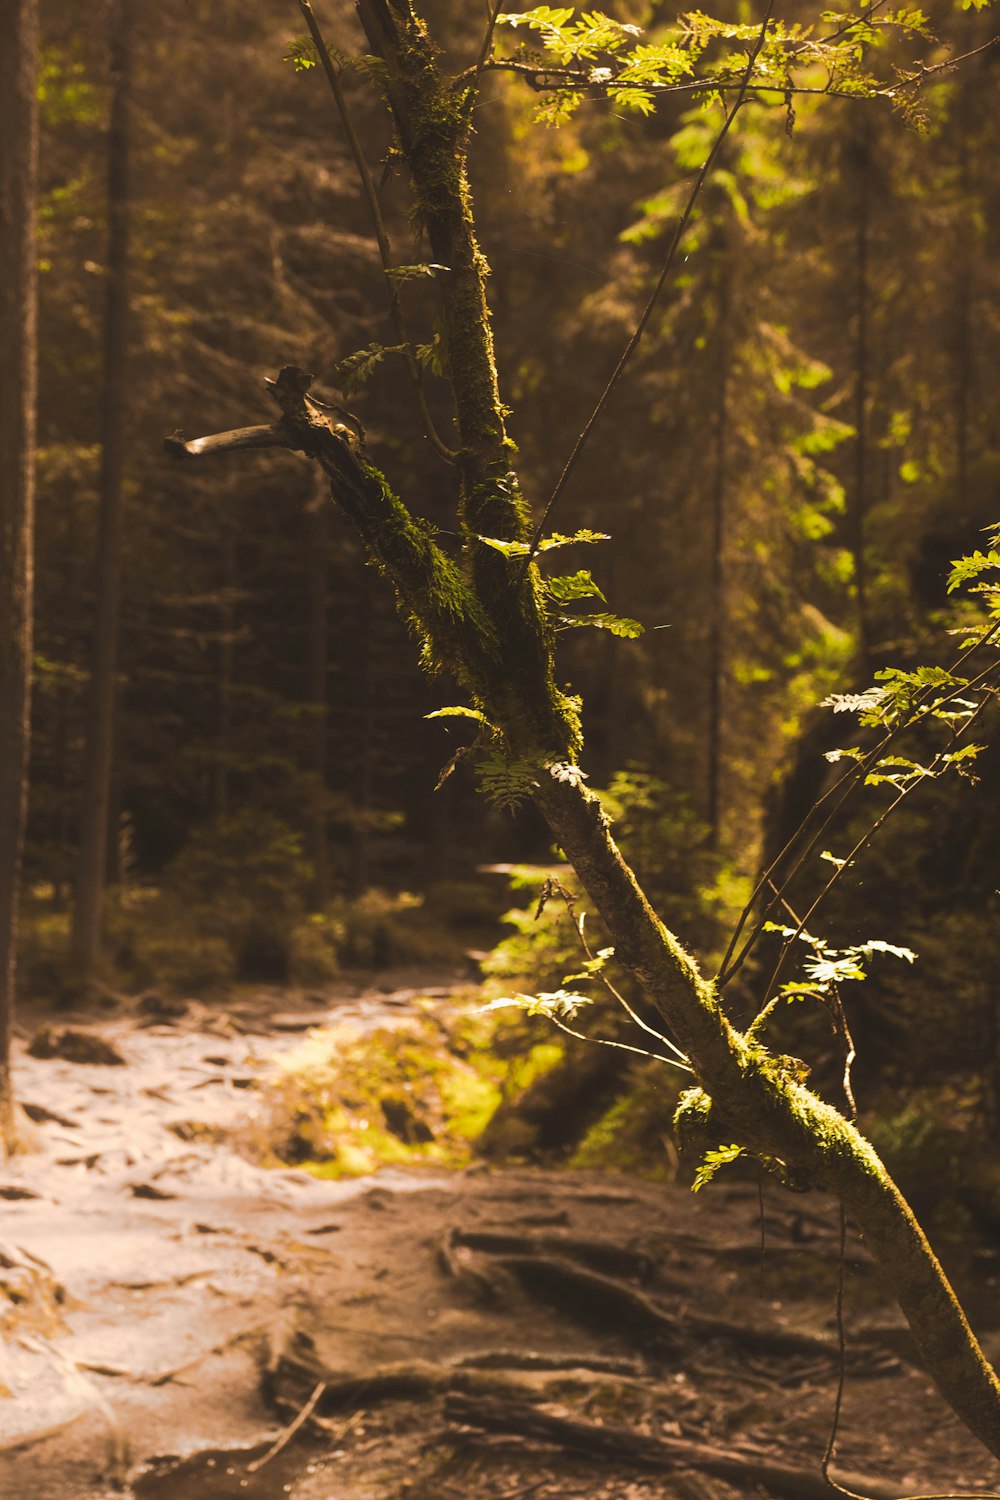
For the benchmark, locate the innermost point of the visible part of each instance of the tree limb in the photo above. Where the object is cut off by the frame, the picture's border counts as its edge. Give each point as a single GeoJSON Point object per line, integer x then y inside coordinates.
{"type": "Point", "coordinates": [332, 72]}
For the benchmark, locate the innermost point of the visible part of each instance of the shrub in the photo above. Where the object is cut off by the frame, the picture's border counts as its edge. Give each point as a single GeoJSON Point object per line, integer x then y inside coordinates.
{"type": "Point", "coordinates": [315, 945]}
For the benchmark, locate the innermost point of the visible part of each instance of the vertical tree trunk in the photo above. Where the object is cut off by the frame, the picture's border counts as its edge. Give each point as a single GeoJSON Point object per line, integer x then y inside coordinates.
{"type": "Point", "coordinates": [18, 383]}
{"type": "Point", "coordinates": [227, 655]}
{"type": "Point", "coordinates": [862, 299]}
{"type": "Point", "coordinates": [717, 592]}
{"type": "Point", "coordinates": [91, 872]}
{"type": "Point", "coordinates": [361, 831]}
{"type": "Point", "coordinates": [964, 297]}
{"type": "Point", "coordinates": [318, 542]}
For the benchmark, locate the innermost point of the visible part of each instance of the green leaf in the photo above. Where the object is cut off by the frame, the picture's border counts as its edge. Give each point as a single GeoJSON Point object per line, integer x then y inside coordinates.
{"type": "Point", "coordinates": [556, 1005]}
{"type": "Point", "coordinates": [793, 932]}
{"type": "Point", "coordinates": [301, 54]}
{"type": "Point", "coordinates": [617, 624]}
{"type": "Point", "coordinates": [506, 783]}
{"type": "Point", "coordinates": [965, 568]}
{"type": "Point", "coordinates": [834, 970]}
{"type": "Point", "coordinates": [797, 991]}
{"type": "Point", "coordinates": [542, 15]}
{"type": "Point", "coordinates": [415, 272]}
{"type": "Point", "coordinates": [547, 544]}
{"type": "Point", "coordinates": [720, 1156]}
{"type": "Point", "coordinates": [967, 752]}
{"type": "Point", "coordinates": [570, 586]}
{"type": "Point", "coordinates": [853, 703]}
{"type": "Point", "coordinates": [591, 966]}
{"type": "Point", "coordinates": [460, 712]}
{"type": "Point", "coordinates": [561, 770]}
{"type": "Point", "coordinates": [355, 369]}
{"type": "Point", "coordinates": [876, 945]}
{"type": "Point", "coordinates": [430, 356]}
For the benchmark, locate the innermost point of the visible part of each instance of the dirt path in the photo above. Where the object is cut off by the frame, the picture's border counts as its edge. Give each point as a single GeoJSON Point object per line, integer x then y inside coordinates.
{"type": "Point", "coordinates": [495, 1334]}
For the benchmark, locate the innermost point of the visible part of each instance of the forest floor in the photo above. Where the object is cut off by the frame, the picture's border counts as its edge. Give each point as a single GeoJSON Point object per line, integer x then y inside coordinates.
{"type": "Point", "coordinates": [175, 1311]}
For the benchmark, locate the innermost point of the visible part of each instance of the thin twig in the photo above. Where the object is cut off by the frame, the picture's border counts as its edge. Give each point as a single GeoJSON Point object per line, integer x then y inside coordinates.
{"type": "Point", "coordinates": [841, 1028]}
{"type": "Point", "coordinates": [487, 47]}
{"type": "Point", "coordinates": [682, 1059]}
{"type": "Point", "coordinates": [841, 1353]}
{"type": "Point", "coordinates": [285, 1438]}
{"type": "Point", "coordinates": [332, 71]}
{"type": "Point", "coordinates": [866, 839]}
{"type": "Point", "coordinates": [648, 310]}
{"type": "Point", "coordinates": [604, 1041]}
{"type": "Point", "coordinates": [542, 79]}
{"type": "Point", "coordinates": [925, 705]}
{"type": "Point", "coordinates": [763, 1229]}
{"type": "Point", "coordinates": [942, 67]}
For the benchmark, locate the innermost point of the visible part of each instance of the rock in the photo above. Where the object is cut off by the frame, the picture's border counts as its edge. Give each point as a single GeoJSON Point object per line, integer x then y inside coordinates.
{"type": "Point", "coordinates": [74, 1046]}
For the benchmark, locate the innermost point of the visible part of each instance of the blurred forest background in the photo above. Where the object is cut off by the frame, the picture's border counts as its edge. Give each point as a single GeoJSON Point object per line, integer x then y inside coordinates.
{"type": "Point", "coordinates": [807, 439]}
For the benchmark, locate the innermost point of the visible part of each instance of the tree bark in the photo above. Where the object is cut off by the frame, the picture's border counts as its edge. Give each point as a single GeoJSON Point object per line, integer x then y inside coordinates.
{"type": "Point", "coordinates": [18, 386]}
{"type": "Point", "coordinates": [91, 869]}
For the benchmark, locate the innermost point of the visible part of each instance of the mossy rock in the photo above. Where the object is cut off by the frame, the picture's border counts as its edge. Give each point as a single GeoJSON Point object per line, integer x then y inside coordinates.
{"type": "Point", "coordinates": [345, 1103]}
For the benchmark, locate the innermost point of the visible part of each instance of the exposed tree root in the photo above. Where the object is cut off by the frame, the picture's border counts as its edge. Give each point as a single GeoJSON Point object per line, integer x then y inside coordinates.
{"type": "Point", "coordinates": [611, 1304]}
{"type": "Point", "coordinates": [521, 1359]}
{"type": "Point", "coordinates": [623, 1445]}
{"type": "Point", "coordinates": [519, 1375]}
{"type": "Point", "coordinates": [605, 1256]}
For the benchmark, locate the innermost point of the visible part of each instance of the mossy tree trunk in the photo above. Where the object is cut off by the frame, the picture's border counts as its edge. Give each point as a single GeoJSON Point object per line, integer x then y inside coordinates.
{"type": "Point", "coordinates": [483, 619]}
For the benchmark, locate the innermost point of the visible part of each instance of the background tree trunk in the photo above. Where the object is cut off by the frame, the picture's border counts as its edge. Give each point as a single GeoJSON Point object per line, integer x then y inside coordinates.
{"type": "Point", "coordinates": [717, 592]}
{"type": "Point", "coordinates": [18, 380]}
{"type": "Point", "coordinates": [91, 871]}
{"type": "Point", "coordinates": [318, 565]}
{"type": "Point", "coordinates": [862, 300]}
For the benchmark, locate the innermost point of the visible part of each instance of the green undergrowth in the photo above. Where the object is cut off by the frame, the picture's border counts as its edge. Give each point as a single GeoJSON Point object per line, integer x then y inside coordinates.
{"type": "Point", "coordinates": [201, 936]}
{"type": "Point", "coordinates": [634, 1134]}
{"type": "Point", "coordinates": [346, 1102]}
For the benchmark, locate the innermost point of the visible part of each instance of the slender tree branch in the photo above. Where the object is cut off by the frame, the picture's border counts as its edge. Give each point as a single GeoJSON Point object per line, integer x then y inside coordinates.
{"type": "Point", "coordinates": [850, 780]}
{"type": "Point", "coordinates": [849, 25]}
{"type": "Point", "coordinates": [541, 80]}
{"type": "Point", "coordinates": [616, 994]}
{"type": "Point", "coordinates": [654, 298]}
{"type": "Point", "coordinates": [863, 842]}
{"type": "Point", "coordinates": [484, 51]}
{"type": "Point", "coordinates": [332, 71]}
{"type": "Point", "coordinates": [943, 67]}
{"type": "Point", "coordinates": [274, 436]}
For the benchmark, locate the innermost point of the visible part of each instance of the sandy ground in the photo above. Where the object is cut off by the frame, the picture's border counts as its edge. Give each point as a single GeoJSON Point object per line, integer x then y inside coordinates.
{"type": "Point", "coordinates": [178, 1304]}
